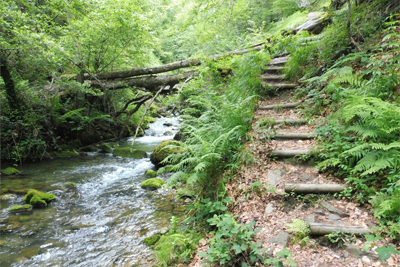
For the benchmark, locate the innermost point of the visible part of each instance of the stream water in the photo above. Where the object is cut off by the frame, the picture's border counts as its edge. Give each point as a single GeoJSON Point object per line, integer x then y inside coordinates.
{"type": "Point", "coordinates": [101, 222]}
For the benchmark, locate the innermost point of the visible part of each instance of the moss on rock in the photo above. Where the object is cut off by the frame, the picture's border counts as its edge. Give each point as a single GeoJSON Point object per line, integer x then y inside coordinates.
{"type": "Point", "coordinates": [106, 148]}
{"type": "Point", "coordinates": [151, 240]}
{"type": "Point", "coordinates": [150, 173]}
{"type": "Point", "coordinates": [128, 152]}
{"type": "Point", "coordinates": [88, 149]}
{"type": "Point", "coordinates": [152, 183]}
{"type": "Point", "coordinates": [160, 152]}
{"type": "Point", "coordinates": [70, 185]}
{"type": "Point", "coordinates": [20, 208]}
{"type": "Point", "coordinates": [38, 199]}
{"type": "Point", "coordinates": [10, 171]}
{"type": "Point", "coordinates": [66, 154]}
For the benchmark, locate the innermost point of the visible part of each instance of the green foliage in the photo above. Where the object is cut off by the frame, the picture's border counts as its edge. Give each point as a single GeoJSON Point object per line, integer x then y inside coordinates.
{"type": "Point", "coordinates": [338, 237]}
{"type": "Point", "coordinates": [383, 252]}
{"type": "Point", "coordinates": [232, 242]}
{"type": "Point", "coordinates": [300, 230]}
{"type": "Point", "coordinates": [175, 248]}
{"type": "Point", "coordinates": [284, 254]}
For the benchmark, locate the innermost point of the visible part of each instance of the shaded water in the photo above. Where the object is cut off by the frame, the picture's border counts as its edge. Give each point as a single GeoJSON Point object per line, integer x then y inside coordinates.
{"type": "Point", "coordinates": [101, 222]}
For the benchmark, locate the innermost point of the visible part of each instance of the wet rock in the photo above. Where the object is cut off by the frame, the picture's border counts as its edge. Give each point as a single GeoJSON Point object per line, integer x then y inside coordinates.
{"type": "Point", "coordinates": [269, 208]}
{"type": "Point", "coordinates": [88, 149]}
{"type": "Point", "coordinates": [160, 152]}
{"type": "Point", "coordinates": [20, 208]}
{"type": "Point", "coordinates": [275, 176]}
{"type": "Point", "coordinates": [70, 185]}
{"type": "Point", "coordinates": [128, 152]}
{"type": "Point", "coordinates": [66, 154]}
{"type": "Point", "coordinates": [38, 199]}
{"type": "Point", "coordinates": [8, 197]}
{"type": "Point", "coordinates": [150, 173]}
{"type": "Point", "coordinates": [105, 148]}
{"type": "Point", "coordinates": [185, 192]}
{"type": "Point", "coordinates": [30, 252]}
{"type": "Point", "coordinates": [27, 233]}
{"type": "Point", "coordinates": [10, 171]}
{"type": "Point", "coordinates": [167, 124]}
{"type": "Point", "coordinates": [281, 239]}
{"type": "Point", "coordinates": [152, 183]}
{"type": "Point", "coordinates": [3, 243]}
{"type": "Point", "coordinates": [151, 240]}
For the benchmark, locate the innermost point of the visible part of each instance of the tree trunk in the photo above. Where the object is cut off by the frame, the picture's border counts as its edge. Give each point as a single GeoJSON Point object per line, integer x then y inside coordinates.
{"type": "Point", "coordinates": [12, 98]}
{"type": "Point", "coordinates": [165, 68]}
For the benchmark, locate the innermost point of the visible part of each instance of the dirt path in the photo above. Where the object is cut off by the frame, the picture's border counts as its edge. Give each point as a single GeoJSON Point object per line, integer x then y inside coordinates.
{"type": "Point", "coordinates": [273, 209]}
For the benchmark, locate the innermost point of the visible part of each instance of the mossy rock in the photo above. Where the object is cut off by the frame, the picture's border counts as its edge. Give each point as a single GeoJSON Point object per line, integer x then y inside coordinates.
{"type": "Point", "coordinates": [150, 173]}
{"type": "Point", "coordinates": [10, 171]}
{"type": "Point", "coordinates": [20, 208]}
{"type": "Point", "coordinates": [106, 148]}
{"type": "Point", "coordinates": [70, 185]}
{"type": "Point", "coordinates": [181, 135]}
{"type": "Point", "coordinates": [128, 152]}
{"type": "Point", "coordinates": [38, 199]}
{"type": "Point", "coordinates": [88, 149]}
{"type": "Point", "coordinates": [152, 183]}
{"type": "Point", "coordinates": [151, 240]}
{"type": "Point", "coordinates": [185, 192]}
{"type": "Point", "coordinates": [66, 154]}
{"type": "Point", "coordinates": [160, 152]}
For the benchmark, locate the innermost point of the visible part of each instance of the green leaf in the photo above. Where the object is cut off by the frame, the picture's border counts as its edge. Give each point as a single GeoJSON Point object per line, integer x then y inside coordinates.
{"type": "Point", "coordinates": [384, 252]}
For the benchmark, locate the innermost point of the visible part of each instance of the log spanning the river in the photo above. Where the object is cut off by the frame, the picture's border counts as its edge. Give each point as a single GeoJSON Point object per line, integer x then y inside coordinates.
{"type": "Point", "coordinates": [150, 83]}
{"type": "Point", "coordinates": [165, 68]}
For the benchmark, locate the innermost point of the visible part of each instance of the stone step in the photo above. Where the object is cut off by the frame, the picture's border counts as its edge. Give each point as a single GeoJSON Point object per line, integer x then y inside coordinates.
{"type": "Point", "coordinates": [289, 153]}
{"type": "Point", "coordinates": [279, 60]}
{"type": "Point", "coordinates": [278, 106]}
{"type": "Point", "coordinates": [281, 85]}
{"type": "Point", "coordinates": [271, 77]}
{"type": "Point", "coordinates": [314, 188]}
{"type": "Point", "coordinates": [301, 136]}
{"type": "Point", "coordinates": [291, 121]}
{"type": "Point", "coordinates": [274, 69]}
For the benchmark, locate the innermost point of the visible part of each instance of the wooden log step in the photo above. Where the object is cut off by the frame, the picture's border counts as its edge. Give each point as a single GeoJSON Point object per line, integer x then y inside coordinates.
{"type": "Point", "coordinates": [314, 188]}
{"type": "Point", "coordinates": [325, 229]}
{"type": "Point", "coordinates": [289, 153]}
{"type": "Point", "coordinates": [301, 136]}
{"type": "Point", "coordinates": [279, 60]}
{"type": "Point", "coordinates": [271, 77]}
{"type": "Point", "coordinates": [278, 106]}
{"type": "Point", "coordinates": [275, 68]}
{"type": "Point", "coordinates": [291, 121]}
{"type": "Point", "coordinates": [281, 85]}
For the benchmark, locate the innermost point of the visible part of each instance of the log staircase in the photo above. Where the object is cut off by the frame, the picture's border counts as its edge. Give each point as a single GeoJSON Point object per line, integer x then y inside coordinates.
{"type": "Point", "coordinates": [273, 78]}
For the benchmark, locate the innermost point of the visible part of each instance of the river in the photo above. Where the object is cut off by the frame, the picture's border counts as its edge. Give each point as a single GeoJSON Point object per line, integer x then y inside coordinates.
{"type": "Point", "coordinates": [100, 222]}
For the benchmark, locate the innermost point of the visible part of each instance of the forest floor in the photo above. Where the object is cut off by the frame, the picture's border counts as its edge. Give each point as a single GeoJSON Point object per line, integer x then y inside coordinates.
{"type": "Point", "coordinates": [273, 209]}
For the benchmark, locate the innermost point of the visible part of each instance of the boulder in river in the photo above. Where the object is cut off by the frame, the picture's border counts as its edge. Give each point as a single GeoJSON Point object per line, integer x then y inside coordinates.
{"type": "Point", "coordinates": [161, 152]}
{"type": "Point", "coordinates": [150, 173]}
{"type": "Point", "coordinates": [10, 171]}
{"type": "Point", "coordinates": [38, 199]}
{"type": "Point", "coordinates": [152, 183]}
{"type": "Point", "coordinates": [128, 152]}
{"type": "Point", "coordinates": [20, 208]}
{"type": "Point", "coordinates": [105, 148]}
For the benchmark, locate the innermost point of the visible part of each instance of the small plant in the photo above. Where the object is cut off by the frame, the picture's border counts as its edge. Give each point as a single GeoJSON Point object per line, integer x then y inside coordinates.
{"type": "Point", "coordinates": [232, 242]}
{"type": "Point", "coordinates": [284, 254]}
{"type": "Point", "coordinates": [338, 237]}
{"type": "Point", "coordinates": [301, 230]}
{"type": "Point", "coordinates": [383, 252]}
{"type": "Point", "coordinates": [174, 221]}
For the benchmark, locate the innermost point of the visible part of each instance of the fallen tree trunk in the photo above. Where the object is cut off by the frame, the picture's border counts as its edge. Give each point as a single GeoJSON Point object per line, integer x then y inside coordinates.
{"type": "Point", "coordinates": [289, 153]}
{"type": "Point", "coordinates": [150, 83]}
{"type": "Point", "coordinates": [165, 68]}
{"type": "Point", "coordinates": [314, 188]}
{"type": "Point", "coordinates": [325, 229]}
